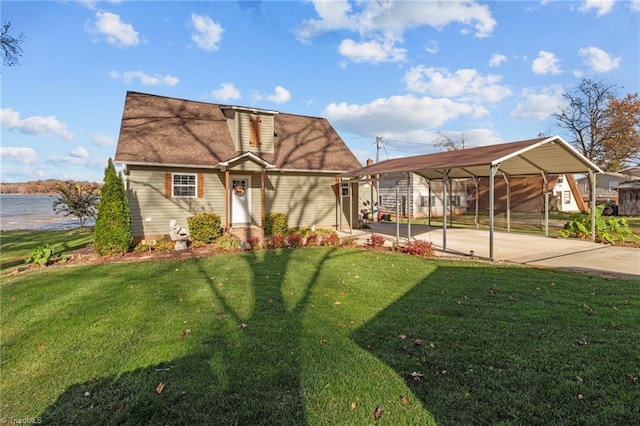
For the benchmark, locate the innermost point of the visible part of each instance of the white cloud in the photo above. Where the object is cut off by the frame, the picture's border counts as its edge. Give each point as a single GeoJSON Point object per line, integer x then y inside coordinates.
{"type": "Point", "coordinates": [539, 105]}
{"type": "Point", "coordinates": [227, 91]}
{"type": "Point", "coordinates": [397, 114]}
{"type": "Point", "coordinates": [207, 34]}
{"type": "Point", "coordinates": [602, 6]}
{"type": "Point", "coordinates": [116, 32]}
{"type": "Point", "coordinates": [546, 63]}
{"type": "Point", "coordinates": [36, 125]}
{"type": "Point", "coordinates": [371, 51]}
{"type": "Point", "coordinates": [92, 4]}
{"type": "Point", "coordinates": [467, 84]}
{"type": "Point", "coordinates": [103, 141]}
{"type": "Point", "coordinates": [382, 24]}
{"type": "Point", "coordinates": [22, 155]}
{"type": "Point", "coordinates": [280, 95]}
{"type": "Point", "coordinates": [634, 5]}
{"type": "Point", "coordinates": [599, 60]}
{"type": "Point", "coordinates": [79, 152]}
{"type": "Point", "coordinates": [496, 60]}
{"type": "Point", "coordinates": [145, 79]}
{"type": "Point", "coordinates": [433, 48]}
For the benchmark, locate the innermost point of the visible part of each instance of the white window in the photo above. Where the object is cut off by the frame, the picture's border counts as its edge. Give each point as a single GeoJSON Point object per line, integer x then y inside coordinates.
{"type": "Point", "coordinates": [184, 185]}
{"type": "Point", "coordinates": [567, 197]}
{"type": "Point", "coordinates": [456, 200]}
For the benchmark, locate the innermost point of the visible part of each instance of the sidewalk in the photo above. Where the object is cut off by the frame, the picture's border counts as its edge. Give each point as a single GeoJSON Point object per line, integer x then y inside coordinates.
{"type": "Point", "coordinates": [570, 253]}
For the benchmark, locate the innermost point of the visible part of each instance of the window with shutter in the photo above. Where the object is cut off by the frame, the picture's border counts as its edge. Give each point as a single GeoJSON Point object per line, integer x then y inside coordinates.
{"type": "Point", "coordinates": [254, 136]}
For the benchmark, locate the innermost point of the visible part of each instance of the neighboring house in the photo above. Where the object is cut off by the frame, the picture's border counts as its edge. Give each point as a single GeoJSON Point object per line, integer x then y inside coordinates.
{"type": "Point", "coordinates": [567, 194]}
{"type": "Point", "coordinates": [606, 186]}
{"type": "Point", "coordinates": [184, 157]}
{"type": "Point", "coordinates": [629, 198]}
{"type": "Point", "coordinates": [527, 193]}
{"type": "Point", "coordinates": [426, 196]}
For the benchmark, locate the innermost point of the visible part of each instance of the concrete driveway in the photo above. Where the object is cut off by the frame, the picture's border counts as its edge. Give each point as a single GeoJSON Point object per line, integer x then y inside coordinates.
{"type": "Point", "coordinates": [525, 249]}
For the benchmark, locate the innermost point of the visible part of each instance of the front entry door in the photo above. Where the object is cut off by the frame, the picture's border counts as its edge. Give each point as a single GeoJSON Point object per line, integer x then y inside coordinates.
{"type": "Point", "coordinates": [240, 200]}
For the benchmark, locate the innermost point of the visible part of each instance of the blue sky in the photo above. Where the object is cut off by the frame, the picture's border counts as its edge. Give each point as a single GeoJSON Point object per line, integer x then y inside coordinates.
{"type": "Point", "coordinates": [490, 71]}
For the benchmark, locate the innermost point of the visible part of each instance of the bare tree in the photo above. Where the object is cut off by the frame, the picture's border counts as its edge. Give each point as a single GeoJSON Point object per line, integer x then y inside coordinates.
{"type": "Point", "coordinates": [11, 50]}
{"type": "Point", "coordinates": [601, 124]}
{"type": "Point", "coordinates": [449, 142]}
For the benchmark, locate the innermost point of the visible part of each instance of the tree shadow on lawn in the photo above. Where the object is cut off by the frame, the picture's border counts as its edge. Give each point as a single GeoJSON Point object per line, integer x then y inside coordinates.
{"type": "Point", "coordinates": [485, 352]}
{"type": "Point", "coordinates": [246, 371]}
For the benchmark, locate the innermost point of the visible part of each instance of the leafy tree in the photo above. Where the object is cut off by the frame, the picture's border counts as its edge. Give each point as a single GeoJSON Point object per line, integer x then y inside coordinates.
{"type": "Point", "coordinates": [77, 200]}
{"type": "Point", "coordinates": [113, 232]}
{"type": "Point", "coordinates": [10, 46]}
{"type": "Point", "coordinates": [604, 128]}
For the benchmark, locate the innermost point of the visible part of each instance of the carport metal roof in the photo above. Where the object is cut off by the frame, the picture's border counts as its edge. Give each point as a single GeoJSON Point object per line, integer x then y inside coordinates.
{"type": "Point", "coordinates": [541, 156]}
{"type": "Point", "coordinates": [550, 155]}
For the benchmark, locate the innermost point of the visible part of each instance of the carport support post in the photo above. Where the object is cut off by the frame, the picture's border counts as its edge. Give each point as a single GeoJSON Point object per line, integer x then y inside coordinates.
{"type": "Point", "coordinates": [340, 204]}
{"type": "Point", "coordinates": [546, 204]}
{"type": "Point", "coordinates": [492, 175]}
{"type": "Point", "coordinates": [409, 204]}
{"type": "Point", "coordinates": [429, 192]}
{"type": "Point", "coordinates": [592, 182]}
{"type": "Point", "coordinates": [397, 213]}
{"type": "Point", "coordinates": [445, 178]}
{"type": "Point", "coordinates": [476, 181]}
{"type": "Point", "coordinates": [506, 179]}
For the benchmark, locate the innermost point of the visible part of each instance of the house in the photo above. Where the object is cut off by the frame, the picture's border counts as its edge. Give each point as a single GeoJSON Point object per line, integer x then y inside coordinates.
{"type": "Point", "coordinates": [606, 185]}
{"type": "Point", "coordinates": [567, 194]}
{"type": "Point", "coordinates": [183, 157]}
{"type": "Point", "coordinates": [425, 197]}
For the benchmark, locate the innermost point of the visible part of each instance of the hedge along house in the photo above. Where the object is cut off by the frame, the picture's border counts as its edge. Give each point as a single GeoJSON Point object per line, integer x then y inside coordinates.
{"type": "Point", "coordinates": [184, 157]}
{"type": "Point", "coordinates": [533, 157]}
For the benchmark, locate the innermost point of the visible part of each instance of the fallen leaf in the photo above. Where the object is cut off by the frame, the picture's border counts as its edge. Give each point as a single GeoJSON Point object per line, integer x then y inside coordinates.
{"type": "Point", "coordinates": [337, 303]}
{"type": "Point", "coordinates": [402, 336]}
{"type": "Point", "coordinates": [160, 388]}
{"type": "Point", "coordinates": [582, 341]}
{"type": "Point", "coordinates": [417, 342]}
{"type": "Point", "coordinates": [353, 405]}
{"type": "Point", "coordinates": [580, 396]}
{"type": "Point", "coordinates": [405, 400]}
{"type": "Point", "coordinates": [416, 375]}
{"type": "Point", "coordinates": [181, 335]}
{"type": "Point", "coordinates": [578, 379]}
{"type": "Point", "coordinates": [323, 341]}
{"type": "Point", "coordinates": [377, 413]}
{"type": "Point", "coordinates": [631, 378]}
{"type": "Point", "coordinates": [432, 345]}
{"type": "Point", "coordinates": [243, 325]}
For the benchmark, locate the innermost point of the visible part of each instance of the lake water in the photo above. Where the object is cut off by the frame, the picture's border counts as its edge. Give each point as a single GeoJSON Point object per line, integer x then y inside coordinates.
{"type": "Point", "coordinates": [34, 212]}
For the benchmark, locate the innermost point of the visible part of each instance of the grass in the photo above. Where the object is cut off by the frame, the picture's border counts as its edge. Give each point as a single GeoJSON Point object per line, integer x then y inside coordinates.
{"type": "Point", "coordinates": [318, 336]}
{"type": "Point", "coordinates": [18, 245]}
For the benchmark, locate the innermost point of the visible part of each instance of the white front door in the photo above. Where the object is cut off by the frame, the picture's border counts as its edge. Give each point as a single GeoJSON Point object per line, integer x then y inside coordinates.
{"type": "Point", "coordinates": [240, 200]}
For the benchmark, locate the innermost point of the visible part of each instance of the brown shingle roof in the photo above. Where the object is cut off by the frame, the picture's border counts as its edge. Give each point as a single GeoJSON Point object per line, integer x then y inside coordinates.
{"type": "Point", "coordinates": [160, 130]}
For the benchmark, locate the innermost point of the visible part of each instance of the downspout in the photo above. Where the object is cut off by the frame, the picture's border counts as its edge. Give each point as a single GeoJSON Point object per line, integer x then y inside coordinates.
{"type": "Point", "coordinates": [492, 175]}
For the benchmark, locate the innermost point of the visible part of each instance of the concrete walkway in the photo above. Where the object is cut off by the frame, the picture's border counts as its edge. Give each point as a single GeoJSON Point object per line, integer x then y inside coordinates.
{"type": "Point", "coordinates": [524, 249]}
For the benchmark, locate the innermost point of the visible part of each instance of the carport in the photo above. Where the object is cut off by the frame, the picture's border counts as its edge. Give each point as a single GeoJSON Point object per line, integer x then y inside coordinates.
{"type": "Point", "coordinates": [533, 157]}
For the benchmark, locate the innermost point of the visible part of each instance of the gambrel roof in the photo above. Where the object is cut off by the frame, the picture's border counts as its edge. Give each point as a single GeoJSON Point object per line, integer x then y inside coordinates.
{"type": "Point", "coordinates": [163, 131]}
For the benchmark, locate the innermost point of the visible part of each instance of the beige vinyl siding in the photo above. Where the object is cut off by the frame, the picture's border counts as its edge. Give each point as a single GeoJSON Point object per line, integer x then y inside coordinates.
{"type": "Point", "coordinates": [307, 199]}
{"type": "Point", "coordinates": [151, 211]}
{"type": "Point", "coordinates": [243, 123]}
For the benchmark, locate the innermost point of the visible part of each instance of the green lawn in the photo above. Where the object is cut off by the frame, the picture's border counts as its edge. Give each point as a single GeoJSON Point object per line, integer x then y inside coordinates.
{"type": "Point", "coordinates": [318, 336]}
